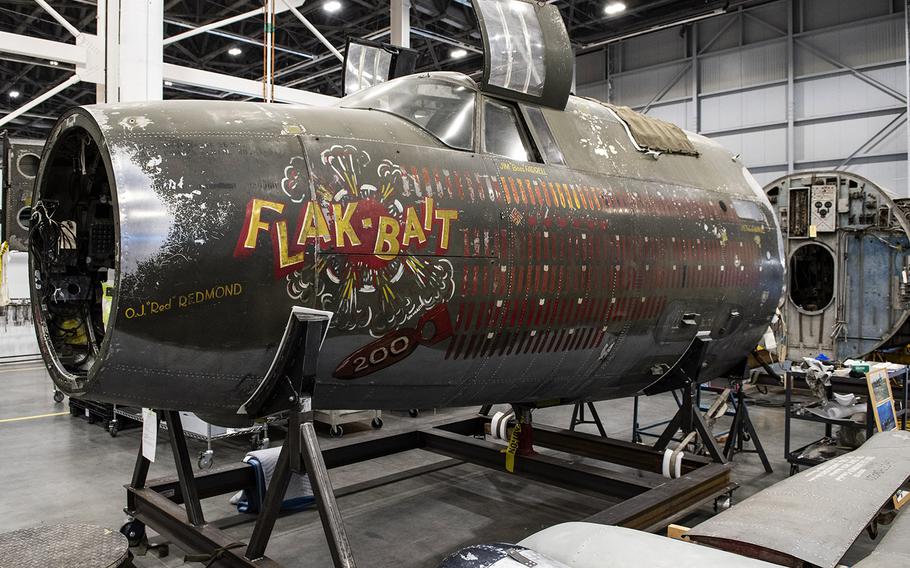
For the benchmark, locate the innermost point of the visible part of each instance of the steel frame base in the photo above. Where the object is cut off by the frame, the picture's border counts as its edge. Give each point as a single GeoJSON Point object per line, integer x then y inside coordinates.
{"type": "Point", "coordinates": [650, 500]}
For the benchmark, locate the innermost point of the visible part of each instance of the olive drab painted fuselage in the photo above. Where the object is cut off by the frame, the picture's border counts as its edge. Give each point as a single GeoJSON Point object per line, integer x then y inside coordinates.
{"type": "Point", "coordinates": [455, 277]}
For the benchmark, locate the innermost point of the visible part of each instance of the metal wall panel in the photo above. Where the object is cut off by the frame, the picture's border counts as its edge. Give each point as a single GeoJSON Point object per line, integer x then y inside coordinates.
{"type": "Point", "coordinates": [842, 94]}
{"type": "Point", "coordinates": [726, 25]}
{"type": "Point", "coordinates": [889, 175]}
{"type": "Point", "coordinates": [744, 108]}
{"type": "Point", "coordinates": [636, 88]}
{"type": "Point", "coordinates": [765, 176]}
{"type": "Point", "coordinates": [751, 65]}
{"type": "Point", "coordinates": [591, 67]}
{"type": "Point", "coordinates": [677, 113]}
{"type": "Point", "coordinates": [827, 13]}
{"type": "Point", "coordinates": [835, 140]}
{"type": "Point", "coordinates": [863, 44]}
{"type": "Point", "coordinates": [594, 90]}
{"type": "Point", "coordinates": [759, 148]}
{"type": "Point", "coordinates": [840, 47]}
{"type": "Point", "coordinates": [652, 49]}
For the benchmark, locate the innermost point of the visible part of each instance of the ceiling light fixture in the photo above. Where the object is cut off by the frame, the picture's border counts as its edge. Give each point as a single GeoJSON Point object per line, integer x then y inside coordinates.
{"type": "Point", "coordinates": [613, 8]}
{"type": "Point", "coordinates": [458, 53]}
{"type": "Point", "coordinates": [331, 6]}
{"type": "Point", "coordinates": [235, 51]}
{"type": "Point", "coordinates": [168, 84]}
{"type": "Point", "coordinates": [54, 63]}
{"type": "Point", "coordinates": [14, 94]}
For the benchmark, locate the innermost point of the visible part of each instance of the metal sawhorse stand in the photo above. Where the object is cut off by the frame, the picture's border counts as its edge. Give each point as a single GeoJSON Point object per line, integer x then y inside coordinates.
{"type": "Point", "coordinates": [291, 379]}
{"type": "Point", "coordinates": [578, 417]}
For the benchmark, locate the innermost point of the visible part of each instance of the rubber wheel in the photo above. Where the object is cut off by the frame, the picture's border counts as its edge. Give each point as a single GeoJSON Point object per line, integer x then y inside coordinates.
{"type": "Point", "coordinates": [134, 531]}
{"type": "Point", "coordinates": [413, 413]}
{"type": "Point", "coordinates": [376, 423]}
{"type": "Point", "coordinates": [58, 397]}
{"type": "Point", "coordinates": [112, 429]}
{"type": "Point", "coordinates": [336, 432]}
{"type": "Point", "coordinates": [206, 460]}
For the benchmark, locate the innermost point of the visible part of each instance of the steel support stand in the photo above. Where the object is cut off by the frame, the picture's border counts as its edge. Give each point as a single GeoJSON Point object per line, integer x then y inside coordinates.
{"type": "Point", "coordinates": [184, 468]}
{"type": "Point", "coordinates": [301, 454]}
{"type": "Point", "coordinates": [685, 376]}
{"type": "Point", "coordinates": [578, 417]}
{"type": "Point", "coordinates": [742, 428]}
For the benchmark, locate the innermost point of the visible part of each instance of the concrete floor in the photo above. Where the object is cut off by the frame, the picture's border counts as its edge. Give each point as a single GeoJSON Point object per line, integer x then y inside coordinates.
{"type": "Point", "coordinates": [61, 469]}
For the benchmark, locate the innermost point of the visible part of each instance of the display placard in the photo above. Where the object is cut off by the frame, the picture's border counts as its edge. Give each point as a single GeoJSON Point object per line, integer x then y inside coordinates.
{"type": "Point", "coordinates": [885, 418]}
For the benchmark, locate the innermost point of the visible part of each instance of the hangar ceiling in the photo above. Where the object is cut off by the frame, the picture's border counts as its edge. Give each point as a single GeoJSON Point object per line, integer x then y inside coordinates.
{"type": "Point", "coordinates": [438, 28]}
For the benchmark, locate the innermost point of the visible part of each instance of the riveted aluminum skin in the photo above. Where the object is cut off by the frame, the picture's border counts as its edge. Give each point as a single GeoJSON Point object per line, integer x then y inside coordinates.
{"type": "Point", "coordinates": [847, 492]}
{"type": "Point", "coordinates": [455, 277]}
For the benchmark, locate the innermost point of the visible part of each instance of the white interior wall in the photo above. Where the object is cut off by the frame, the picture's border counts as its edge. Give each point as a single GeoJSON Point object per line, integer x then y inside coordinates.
{"type": "Point", "coordinates": [733, 78]}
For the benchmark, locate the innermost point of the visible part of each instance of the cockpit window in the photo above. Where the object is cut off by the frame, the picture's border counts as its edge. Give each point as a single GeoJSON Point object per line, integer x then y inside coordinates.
{"type": "Point", "coordinates": [444, 108]}
{"type": "Point", "coordinates": [501, 132]}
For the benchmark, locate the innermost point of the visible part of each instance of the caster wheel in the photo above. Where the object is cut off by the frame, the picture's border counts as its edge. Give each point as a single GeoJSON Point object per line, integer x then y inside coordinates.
{"type": "Point", "coordinates": [134, 531]}
{"type": "Point", "coordinates": [91, 418]}
{"type": "Point", "coordinates": [206, 459]}
{"type": "Point", "coordinates": [794, 469]}
{"type": "Point", "coordinates": [58, 397]}
{"type": "Point", "coordinates": [723, 503]}
{"type": "Point", "coordinates": [413, 413]}
{"type": "Point", "coordinates": [376, 423]}
{"type": "Point", "coordinates": [264, 444]}
{"type": "Point", "coordinates": [162, 550]}
{"type": "Point", "coordinates": [336, 432]}
{"type": "Point", "coordinates": [112, 429]}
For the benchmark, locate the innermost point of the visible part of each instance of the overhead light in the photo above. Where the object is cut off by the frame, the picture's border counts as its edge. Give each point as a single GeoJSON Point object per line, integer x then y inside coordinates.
{"type": "Point", "coordinates": [14, 94]}
{"type": "Point", "coordinates": [613, 8]}
{"type": "Point", "coordinates": [54, 63]}
{"type": "Point", "coordinates": [458, 53]}
{"type": "Point", "coordinates": [168, 84]}
{"type": "Point", "coordinates": [331, 6]}
{"type": "Point", "coordinates": [235, 51]}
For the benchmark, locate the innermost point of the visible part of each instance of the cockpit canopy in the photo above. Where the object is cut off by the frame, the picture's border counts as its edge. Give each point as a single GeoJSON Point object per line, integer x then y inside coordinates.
{"type": "Point", "coordinates": [440, 103]}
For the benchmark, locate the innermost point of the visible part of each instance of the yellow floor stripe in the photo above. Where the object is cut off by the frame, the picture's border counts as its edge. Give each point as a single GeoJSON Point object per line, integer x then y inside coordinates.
{"type": "Point", "coordinates": [32, 417]}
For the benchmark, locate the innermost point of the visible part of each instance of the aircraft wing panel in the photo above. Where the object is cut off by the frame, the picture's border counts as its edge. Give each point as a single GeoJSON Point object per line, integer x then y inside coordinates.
{"type": "Point", "coordinates": [894, 548]}
{"type": "Point", "coordinates": [591, 545]}
{"type": "Point", "coordinates": [815, 515]}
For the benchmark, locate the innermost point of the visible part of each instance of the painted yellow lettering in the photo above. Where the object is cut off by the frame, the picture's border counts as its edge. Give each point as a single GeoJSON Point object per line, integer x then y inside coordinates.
{"type": "Point", "coordinates": [446, 216]}
{"type": "Point", "coordinates": [256, 223]}
{"type": "Point", "coordinates": [387, 238]}
{"type": "Point", "coordinates": [428, 214]}
{"type": "Point", "coordinates": [412, 229]}
{"type": "Point", "coordinates": [343, 228]}
{"type": "Point", "coordinates": [314, 224]}
{"type": "Point", "coordinates": [283, 259]}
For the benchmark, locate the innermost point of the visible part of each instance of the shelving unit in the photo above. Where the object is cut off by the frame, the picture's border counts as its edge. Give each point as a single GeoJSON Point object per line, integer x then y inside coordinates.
{"type": "Point", "coordinates": [799, 411]}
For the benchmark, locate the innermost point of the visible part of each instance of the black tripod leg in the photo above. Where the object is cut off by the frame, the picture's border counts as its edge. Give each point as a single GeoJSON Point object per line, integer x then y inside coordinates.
{"type": "Point", "coordinates": [735, 435]}
{"type": "Point", "coordinates": [184, 469]}
{"type": "Point", "coordinates": [755, 440]}
{"type": "Point", "coordinates": [596, 418]}
{"type": "Point", "coordinates": [707, 438]}
{"type": "Point", "coordinates": [667, 436]}
{"type": "Point", "coordinates": [485, 409]}
{"type": "Point", "coordinates": [274, 495]}
{"type": "Point", "coordinates": [574, 420]}
{"type": "Point", "coordinates": [332, 523]}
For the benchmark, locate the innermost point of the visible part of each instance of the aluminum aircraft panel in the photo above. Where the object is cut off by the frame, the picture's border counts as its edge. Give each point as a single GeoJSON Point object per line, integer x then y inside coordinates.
{"type": "Point", "coordinates": [816, 515]}
{"type": "Point", "coordinates": [894, 548]}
